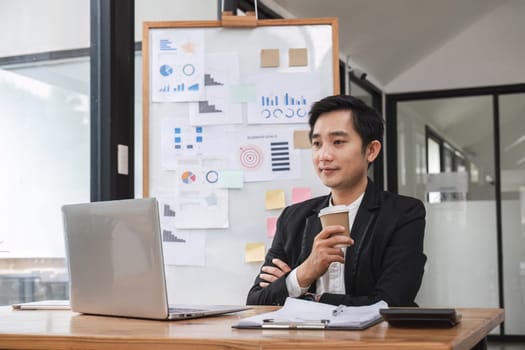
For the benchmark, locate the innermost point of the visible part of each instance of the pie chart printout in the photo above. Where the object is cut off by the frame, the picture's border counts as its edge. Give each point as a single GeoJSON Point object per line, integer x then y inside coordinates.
{"type": "Point", "coordinates": [188, 177]}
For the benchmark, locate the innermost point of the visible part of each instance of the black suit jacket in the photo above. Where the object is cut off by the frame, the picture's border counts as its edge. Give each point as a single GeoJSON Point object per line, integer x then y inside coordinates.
{"type": "Point", "coordinates": [386, 261]}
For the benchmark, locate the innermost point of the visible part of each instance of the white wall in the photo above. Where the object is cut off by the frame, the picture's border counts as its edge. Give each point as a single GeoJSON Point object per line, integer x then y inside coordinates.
{"type": "Point", "coordinates": [489, 52]}
{"type": "Point", "coordinates": [172, 10]}
{"type": "Point", "coordinates": [32, 26]}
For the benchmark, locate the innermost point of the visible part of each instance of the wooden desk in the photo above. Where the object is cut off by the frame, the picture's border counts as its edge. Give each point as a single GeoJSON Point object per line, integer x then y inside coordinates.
{"type": "Point", "coordinates": [68, 330]}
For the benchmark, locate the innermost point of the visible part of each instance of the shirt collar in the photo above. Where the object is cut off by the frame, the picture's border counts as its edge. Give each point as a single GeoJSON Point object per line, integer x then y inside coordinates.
{"type": "Point", "coordinates": [355, 204]}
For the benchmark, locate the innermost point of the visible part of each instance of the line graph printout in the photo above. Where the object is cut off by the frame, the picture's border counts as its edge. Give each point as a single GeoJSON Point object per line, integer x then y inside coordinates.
{"type": "Point", "coordinates": [266, 154]}
{"type": "Point", "coordinates": [177, 69]}
{"type": "Point", "coordinates": [283, 101]}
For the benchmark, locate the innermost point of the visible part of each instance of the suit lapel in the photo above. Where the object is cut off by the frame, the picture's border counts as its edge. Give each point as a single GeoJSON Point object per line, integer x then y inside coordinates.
{"type": "Point", "coordinates": [361, 227]}
{"type": "Point", "coordinates": [311, 228]}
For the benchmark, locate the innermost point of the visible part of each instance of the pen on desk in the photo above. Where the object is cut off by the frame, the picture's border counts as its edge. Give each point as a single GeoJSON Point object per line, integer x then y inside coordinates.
{"type": "Point", "coordinates": [297, 323]}
{"type": "Point", "coordinates": [338, 310]}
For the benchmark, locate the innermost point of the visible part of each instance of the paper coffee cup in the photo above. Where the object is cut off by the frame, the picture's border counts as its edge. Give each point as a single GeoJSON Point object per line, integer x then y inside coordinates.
{"type": "Point", "coordinates": [335, 215]}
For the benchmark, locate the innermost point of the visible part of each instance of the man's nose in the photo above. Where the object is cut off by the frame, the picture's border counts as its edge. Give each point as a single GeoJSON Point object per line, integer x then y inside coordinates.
{"type": "Point", "coordinates": [325, 152]}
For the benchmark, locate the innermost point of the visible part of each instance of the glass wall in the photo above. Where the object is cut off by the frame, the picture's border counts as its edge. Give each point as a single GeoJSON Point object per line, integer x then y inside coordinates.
{"type": "Point", "coordinates": [475, 199]}
{"type": "Point", "coordinates": [461, 214]}
{"type": "Point", "coordinates": [44, 141]}
{"type": "Point", "coordinates": [512, 158]}
{"type": "Point", "coordinates": [44, 137]}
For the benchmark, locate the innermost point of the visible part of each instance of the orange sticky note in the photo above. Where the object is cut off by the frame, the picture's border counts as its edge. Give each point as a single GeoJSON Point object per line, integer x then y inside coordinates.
{"type": "Point", "coordinates": [298, 57]}
{"type": "Point", "coordinates": [271, 226]}
{"type": "Point", "coordinates": [301, 139]}
{"type": "Point", "coordinates": [300, 194]}
{"type": "Point", "coordinates": [270, 58]}
{"type": "Point", "coordinates": [275, 199]}
{"type": "Point", "coordinates": [254, 252]}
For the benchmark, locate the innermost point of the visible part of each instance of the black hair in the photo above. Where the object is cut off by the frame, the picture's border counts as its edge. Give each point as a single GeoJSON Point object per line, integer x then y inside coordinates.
{"type": "Point", "coordinates": [366, 120]}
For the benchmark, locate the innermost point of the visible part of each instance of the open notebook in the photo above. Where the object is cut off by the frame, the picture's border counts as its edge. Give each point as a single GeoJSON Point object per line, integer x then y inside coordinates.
{"type": "Point", "coordinates": [302, 314]}
{"type": "Point", "coordinates": [116, 266]}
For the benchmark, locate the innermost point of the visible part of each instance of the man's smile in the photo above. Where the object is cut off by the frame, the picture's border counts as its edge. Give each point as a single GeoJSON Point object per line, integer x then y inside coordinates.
{"type": "Point", "coordinates": [328, 169]}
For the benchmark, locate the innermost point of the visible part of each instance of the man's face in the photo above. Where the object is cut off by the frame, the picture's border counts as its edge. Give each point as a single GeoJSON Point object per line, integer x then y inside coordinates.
{"type": "Point", "coordinates": [337, 152]}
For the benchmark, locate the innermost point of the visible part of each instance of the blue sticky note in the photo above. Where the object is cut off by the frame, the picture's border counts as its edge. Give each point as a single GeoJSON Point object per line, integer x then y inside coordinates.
{"type": "Point", "coordinates": [231, 179]}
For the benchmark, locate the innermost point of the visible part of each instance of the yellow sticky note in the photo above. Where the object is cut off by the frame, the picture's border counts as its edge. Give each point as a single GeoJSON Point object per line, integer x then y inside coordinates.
{"type": "Point", "coordinates": [301, 139]}
{"type": "Point", "coordinates": [298, 57]}
{"type": "Point", "coordinates": [254, 252]}
{"type": "Point", "coordinates": [270, 58]}
{"type": "Point", "coordinates": [275, 199]}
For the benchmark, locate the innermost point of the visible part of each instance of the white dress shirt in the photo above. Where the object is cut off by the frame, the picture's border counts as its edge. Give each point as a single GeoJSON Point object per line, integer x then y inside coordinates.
{"type": "Point", "coordinates": [333, 280]}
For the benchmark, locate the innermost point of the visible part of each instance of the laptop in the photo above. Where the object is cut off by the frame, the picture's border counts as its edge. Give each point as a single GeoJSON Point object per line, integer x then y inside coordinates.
{"type": "Point", "coordinates": [116, 266]}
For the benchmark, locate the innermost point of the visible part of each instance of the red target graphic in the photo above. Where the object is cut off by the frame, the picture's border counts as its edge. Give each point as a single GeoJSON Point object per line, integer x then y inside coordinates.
{"type": "Point", "coordinates": [251, 157]}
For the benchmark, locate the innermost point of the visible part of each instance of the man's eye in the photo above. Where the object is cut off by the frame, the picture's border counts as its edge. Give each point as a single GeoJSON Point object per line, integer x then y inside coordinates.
{"type": "Point", "coordinates": [339, 142]}
{"type": "Point", "coordinates": [316, 144]}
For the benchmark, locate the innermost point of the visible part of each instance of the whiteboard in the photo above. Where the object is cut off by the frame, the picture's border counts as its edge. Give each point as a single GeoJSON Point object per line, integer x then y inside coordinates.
{"type": "Point", "coordinates": [222, 275]}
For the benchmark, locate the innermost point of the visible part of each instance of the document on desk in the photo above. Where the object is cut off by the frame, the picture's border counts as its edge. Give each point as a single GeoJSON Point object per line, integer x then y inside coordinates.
{"type": "Point", "coordinates": [43, 305]}
{"type": "Point", "coordinates": [302, 314]}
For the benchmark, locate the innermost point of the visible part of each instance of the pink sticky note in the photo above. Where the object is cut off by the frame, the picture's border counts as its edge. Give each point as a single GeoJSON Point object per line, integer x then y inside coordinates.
{"type": "Point", "coordinates": [300, 194]}
{"type": "Point", "coordinates": [271, 226]}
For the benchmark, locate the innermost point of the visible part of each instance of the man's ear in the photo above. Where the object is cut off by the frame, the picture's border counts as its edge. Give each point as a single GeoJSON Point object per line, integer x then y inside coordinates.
{"type": "Point", "coordinates": [372, 150]}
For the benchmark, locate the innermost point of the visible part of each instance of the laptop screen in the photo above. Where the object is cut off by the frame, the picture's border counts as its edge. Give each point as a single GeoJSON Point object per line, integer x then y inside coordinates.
{"type": "Point", "coordinates": [114, 253]}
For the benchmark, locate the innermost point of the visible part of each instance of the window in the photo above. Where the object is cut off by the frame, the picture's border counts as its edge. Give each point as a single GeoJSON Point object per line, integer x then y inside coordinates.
{"type": "Point", "coordinates": [45, 140]}
{"type": "Point", "coordinates": [442, 157]}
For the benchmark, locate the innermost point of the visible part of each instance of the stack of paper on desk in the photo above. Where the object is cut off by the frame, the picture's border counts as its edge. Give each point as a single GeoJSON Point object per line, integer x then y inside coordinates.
{"type": "Point", "coordinates": [297, 313]}
{"type": "Point", "coordinates": [43, 305]}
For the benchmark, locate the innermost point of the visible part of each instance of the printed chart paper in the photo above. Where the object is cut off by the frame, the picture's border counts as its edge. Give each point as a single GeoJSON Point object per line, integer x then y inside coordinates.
{"type": "Point", "coordinates": [266, 154]}
{"type": "Point", "coordinates": [221, 73]}
{"type": "Point", "coordinates": [199, 202]}
{"type": "Point", "coordinates": [184, 247]}
{"type": "Point", "coordinates": [179, 139]}
{"type": "Point", "coordinates": [283, 100]}
{"type": "Point", "coordinates": [177, 69]}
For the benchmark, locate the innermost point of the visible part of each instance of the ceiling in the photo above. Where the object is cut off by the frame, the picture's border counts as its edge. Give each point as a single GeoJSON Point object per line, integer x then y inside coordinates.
{"type": "Point", "coordinates": [386, 37]}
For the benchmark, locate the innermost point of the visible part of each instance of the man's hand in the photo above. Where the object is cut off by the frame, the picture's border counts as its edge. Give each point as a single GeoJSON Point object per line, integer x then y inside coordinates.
{"type": "Point", "coordinates": [323, 254]}
{"type": "Point", "coordinates": [272, 273]}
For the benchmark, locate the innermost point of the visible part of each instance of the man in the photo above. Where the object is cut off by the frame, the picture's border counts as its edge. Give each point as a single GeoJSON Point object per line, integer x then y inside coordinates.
{"type": "Point", "coordinates": [384, 259]}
